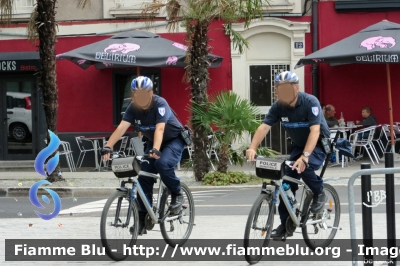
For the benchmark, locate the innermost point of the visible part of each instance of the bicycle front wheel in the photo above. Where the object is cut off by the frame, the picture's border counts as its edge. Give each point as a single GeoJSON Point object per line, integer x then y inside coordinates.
{"type": "Point", "coordinates": [115, 227]}
{"type": "Point", "coordinates": [259, 227]}
{"type": "Point", "coordinates": [321, 228]}
{"type": "Point", "coordinates": [177, 230]}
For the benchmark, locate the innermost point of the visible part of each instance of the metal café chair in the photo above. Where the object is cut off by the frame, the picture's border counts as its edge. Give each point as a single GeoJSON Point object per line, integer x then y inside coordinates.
{"type": "Point", "coordinates": [82, 150]}
{"type": "Point", "coordinates": [386, 134]}
{"type": "Point", "coordinates": [357, 140]}
{"type": "Point", "coordinates": [68, 155]}
{"type": "Point", "coordinates": [378, 138]}
{"type": "Point", "coordinates": [190, 150]}
{"type": "Point", "coordinates": [212, 145]}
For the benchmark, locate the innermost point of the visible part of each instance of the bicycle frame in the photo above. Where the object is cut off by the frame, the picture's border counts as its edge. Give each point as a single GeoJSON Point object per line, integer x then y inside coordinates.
{"type": "Point", "coordinates": [306, 194]}
{"type": "Point", "coordinates": [300, 212]}
{"type": "Point", "coordinates": [131, 196]}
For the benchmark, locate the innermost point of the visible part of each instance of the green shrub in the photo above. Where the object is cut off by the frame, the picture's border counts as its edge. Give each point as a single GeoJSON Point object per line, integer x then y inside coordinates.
{"type": "Point", "coordinates": [222, 179]}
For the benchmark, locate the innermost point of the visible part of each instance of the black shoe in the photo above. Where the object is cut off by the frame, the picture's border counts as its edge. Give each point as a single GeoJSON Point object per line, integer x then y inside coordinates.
{"type": "Point", "coordinates": [176, 202]}
{"type": "Point", "coordinates": [142, 227]}
{"type": "Point", "coordinates": [318, 202]}
{"type": "Point", "coordinates": [279, 232]}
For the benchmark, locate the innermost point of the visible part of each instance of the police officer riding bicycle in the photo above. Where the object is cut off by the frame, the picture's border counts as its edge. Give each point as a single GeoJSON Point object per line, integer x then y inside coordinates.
{"type": "Point", "coordinates": [301, 116]}
{"type": "Point", "coordinates": [152, 115]}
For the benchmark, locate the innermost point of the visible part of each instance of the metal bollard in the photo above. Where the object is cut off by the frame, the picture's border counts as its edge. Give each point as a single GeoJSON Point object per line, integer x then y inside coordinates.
{"type": "Point", "coordinates": [390, 205]}
{"type": "Point", "coordinates": [366, 213]}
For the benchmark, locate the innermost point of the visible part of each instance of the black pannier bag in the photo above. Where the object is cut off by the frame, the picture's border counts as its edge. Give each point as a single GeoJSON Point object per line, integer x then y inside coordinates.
{"type": "Point", "coordinates": [269, 168]}
{"type": "Point", "coordinates": [125, 167]}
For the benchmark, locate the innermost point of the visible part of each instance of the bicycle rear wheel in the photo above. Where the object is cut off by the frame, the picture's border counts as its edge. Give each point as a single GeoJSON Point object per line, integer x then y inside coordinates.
{"type": "Point", "coordinates": [177, 231]}
{"type": "Point", "coordinates": [259, 227]}
{"type": "Point", "coordinates": [321, 228]}
{"type": "Point", "coordinates": [114, 227]}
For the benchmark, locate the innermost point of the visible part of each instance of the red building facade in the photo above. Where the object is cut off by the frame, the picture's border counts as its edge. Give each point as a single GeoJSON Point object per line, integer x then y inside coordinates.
{"type": "Point", "coordinates": [351, 87]}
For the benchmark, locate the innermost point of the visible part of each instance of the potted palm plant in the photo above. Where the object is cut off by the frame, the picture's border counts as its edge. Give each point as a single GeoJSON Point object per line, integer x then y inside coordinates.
{"type": "Point", "coordinates": [229, 118]}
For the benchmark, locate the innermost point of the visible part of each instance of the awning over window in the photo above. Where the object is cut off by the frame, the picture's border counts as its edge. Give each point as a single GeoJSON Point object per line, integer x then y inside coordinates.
{"type": "Point", "coordinates": [19, 61]}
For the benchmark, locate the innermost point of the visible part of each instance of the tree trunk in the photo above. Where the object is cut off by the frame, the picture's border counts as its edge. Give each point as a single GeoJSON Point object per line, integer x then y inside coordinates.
{"type": "Point", "coordinates": [46, 29]}
{"type": "Point", "coordinates": [223, 155]}
{"type": "Point", "coordinates": [199, 78]}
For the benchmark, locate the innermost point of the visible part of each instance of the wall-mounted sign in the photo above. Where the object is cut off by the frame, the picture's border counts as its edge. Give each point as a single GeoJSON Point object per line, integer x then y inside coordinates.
{"type": "Point", "coordinates": [19, 61]}
{"type": "Point", "coordinates": [18, 65]}
{"type": "Point", "coordinates": [298, 45]}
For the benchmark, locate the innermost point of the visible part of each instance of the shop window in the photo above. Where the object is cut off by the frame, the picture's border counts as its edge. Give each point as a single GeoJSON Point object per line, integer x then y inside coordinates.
{"type": "Point", "coordinates": [19, 86]}
{"type": "Point", "coordinates": [122, 90]}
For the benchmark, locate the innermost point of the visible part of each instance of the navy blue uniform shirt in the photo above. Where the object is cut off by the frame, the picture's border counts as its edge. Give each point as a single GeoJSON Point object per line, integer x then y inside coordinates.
{"type": "Point", "coordinates": [158, 112]}
{"type": "Point", "coordinates": [297, 120]}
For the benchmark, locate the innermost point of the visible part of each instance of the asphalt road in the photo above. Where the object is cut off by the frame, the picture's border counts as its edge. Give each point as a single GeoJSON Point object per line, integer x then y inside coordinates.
{"type": "Point", "coordinates": [208, 201]}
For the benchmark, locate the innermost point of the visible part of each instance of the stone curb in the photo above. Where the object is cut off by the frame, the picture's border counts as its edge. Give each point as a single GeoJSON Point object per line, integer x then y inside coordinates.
{"type": "Point", "coordinates": [63, 192]}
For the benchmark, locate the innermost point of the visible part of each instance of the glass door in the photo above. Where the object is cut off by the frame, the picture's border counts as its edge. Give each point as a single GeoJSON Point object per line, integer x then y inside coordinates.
{"type": "Point", "coordinates": [18, 117]}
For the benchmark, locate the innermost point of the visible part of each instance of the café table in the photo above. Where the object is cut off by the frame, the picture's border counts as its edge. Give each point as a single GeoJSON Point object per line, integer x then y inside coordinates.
{"type": "Point", "coordinates": [344, 129]}
{"type": "Point", "coordinates": [95, 142]}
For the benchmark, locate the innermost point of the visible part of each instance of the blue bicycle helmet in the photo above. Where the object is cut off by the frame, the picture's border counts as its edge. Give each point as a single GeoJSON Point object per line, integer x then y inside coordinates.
{"type": "Point", "coordinates": [286, 77]}
{"type": "Point", "coordinates": [142, 83]}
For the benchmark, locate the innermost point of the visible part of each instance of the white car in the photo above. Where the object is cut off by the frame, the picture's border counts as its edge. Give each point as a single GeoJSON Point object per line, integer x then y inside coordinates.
{"type": "Point", "coordinates": [19, 115]}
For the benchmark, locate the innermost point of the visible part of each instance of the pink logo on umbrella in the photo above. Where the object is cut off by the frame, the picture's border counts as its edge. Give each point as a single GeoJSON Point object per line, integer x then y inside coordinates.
{"type": "Point", "coordinates": [180, 46]}
{"type": "Point", "coordinates": [317, 60]}
{"type": "Point", "coordinates": [82, 61]}
{"type": "Point", "coordinates": [122, 47]}
{"type": "Point", "coordinates": [382, 42]}
{"type": "Point", "coordinates": [171, 60]}
{"type": "Point", "coordinates": [107, 64]}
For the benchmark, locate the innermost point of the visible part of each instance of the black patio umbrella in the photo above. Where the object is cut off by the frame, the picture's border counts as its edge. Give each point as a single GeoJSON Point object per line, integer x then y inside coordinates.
{"type": "Point", "coordinates": [135, 48]}
{"type": "Point", "coordinates": [377, 44]}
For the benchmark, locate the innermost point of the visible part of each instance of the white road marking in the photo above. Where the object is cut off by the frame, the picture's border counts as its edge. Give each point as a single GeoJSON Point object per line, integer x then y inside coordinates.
{"type": "Point", "coordinates": [98, 205]}
{"type": "Point", "coordinates": [211, 191]}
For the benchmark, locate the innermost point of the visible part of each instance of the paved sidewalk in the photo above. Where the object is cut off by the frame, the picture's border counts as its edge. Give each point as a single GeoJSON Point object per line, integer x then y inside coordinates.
{"type": "Point", "coordinates": [207, 227]}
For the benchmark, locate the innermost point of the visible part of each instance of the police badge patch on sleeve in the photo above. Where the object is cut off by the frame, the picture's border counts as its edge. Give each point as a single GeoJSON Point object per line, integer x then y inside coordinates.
{"type": "Point", "coordinates": [161, 111]}
{"type": "Point", "coordinates": [315, 110]}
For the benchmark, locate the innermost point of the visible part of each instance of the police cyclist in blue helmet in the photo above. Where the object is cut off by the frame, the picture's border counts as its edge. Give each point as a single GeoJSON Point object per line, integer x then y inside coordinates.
{"type": "Point", "coordinates": [301, 116]}
{"type": "Point", "coordinates": [152, 115]}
